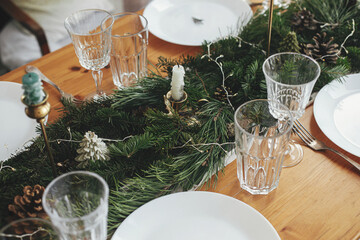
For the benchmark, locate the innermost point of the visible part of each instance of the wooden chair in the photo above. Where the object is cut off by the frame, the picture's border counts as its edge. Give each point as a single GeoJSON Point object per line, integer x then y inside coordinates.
{"type": "Point", "coordinates": [10, 11]}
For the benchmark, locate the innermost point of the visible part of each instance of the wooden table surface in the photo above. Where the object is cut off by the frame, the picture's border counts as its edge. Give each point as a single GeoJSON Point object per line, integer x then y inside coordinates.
{"type": "Point", "coordinates": [317, 199]}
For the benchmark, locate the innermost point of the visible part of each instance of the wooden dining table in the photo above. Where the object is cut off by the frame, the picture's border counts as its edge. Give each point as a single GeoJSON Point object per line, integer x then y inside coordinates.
{"type": "Point", "coordinates": [316, 199]}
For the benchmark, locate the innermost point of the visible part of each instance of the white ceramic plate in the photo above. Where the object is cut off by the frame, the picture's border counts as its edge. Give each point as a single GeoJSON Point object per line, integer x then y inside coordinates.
{"type": "Point", "coordinates": [195, 216]}
{"type": "Point", "coordinates": [16, 129]}
{"type": "Point", "coordinates": [337, 112]}
{"type": "Point", "coordinates": [172, 20]}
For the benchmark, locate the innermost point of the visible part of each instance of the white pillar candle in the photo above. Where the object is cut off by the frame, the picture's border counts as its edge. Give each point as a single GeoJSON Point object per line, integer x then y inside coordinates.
{"type": "Point", "coordinates": [177, 82]}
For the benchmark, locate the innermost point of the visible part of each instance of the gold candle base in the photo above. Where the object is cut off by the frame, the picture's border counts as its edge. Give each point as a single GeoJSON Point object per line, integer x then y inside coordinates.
{"type": "Point", "coordinates": [175, 105]}
{"type": "Point", "coordinates": [39, 112]}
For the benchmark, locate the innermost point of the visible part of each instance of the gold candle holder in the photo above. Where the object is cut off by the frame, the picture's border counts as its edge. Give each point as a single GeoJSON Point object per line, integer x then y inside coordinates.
{"type": "Point", "coordinates": [39, 112]}
{"type": "Point", "coordinates": [175, 105]}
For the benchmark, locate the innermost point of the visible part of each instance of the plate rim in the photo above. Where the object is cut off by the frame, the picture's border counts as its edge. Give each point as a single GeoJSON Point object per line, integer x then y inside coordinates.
{"type": "Point", "coordinates": [160, 36]}
{"type": "Point", "coordinates": [219, 196]}
{"type": "Point", "coordinates": [27, 140]}
{"type": "Point", "coordinates": [320, 113]}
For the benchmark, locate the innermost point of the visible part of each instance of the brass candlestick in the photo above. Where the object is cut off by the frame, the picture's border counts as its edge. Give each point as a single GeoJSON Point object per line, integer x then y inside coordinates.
{"type": "Point", "coordinates": [173, 104]}
{"type": "Point", "coordinates": [39, 112]}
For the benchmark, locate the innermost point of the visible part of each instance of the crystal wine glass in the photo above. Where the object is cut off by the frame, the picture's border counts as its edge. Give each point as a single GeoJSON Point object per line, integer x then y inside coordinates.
{"type": "Point", "coordinates": [90, 32]}
{"type": "Point", "coordinates": [290, 79]}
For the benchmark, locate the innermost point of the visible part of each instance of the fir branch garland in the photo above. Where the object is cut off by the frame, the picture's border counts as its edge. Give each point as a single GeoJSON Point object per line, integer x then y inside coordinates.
{"type": "Point", "coordinates": [168, 153]}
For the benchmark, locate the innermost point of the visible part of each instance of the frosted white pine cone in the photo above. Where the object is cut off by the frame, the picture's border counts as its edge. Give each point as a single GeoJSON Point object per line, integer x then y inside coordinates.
{"type": "Point", "coordinates": [92, 148]}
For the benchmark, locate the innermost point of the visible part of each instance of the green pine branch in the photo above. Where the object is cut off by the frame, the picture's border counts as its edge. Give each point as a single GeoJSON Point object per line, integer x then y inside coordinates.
{"type": "Point", "coordinates": [330, 11]}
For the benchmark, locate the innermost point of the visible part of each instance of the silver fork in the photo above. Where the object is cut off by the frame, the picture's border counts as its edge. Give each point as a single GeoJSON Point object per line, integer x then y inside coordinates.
{"type": "Point", "coordinates": [316, 144]}
{"type": "Point", "coordinates": [30, 68]}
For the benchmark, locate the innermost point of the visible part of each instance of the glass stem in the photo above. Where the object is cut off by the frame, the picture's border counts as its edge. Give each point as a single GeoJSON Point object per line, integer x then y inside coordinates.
{"type": "Point", "coordinates": [97, 75]}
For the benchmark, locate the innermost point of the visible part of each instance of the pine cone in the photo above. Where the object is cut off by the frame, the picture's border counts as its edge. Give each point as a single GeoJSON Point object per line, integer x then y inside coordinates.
{"type": "Point", "coordinates": [304, 20]}
{"type": "Point", "coordinates": [92, 148]}
{"type": "Point", "coordinates": [29, 205]}
{"type": "Point", "coordinates": [29, 227]}
{"type": "Point", "coordinates": [220, 93]}
{"type": "Point", "coordinates": [323, 49]}
{"type": "Point", "coordinates": [304, 49]}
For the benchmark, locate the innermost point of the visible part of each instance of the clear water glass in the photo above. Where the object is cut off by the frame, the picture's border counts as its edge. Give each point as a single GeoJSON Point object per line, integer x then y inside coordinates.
{"type": "Point", "coordinates": [90, 32]}
{"type": "Point", "coordinates": [261, 141]}
{"type": "Point", "coordinates": [129, 49]}
{"type": "Point", "coordinates": [290, 79]}
{"type": "Point", "coordinates": [77, 204]}
{"type": "Point", "coordinates": [29, 228]}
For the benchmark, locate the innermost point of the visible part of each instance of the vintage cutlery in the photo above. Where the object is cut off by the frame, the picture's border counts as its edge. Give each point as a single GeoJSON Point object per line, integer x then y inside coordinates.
{"type": "Point", "coordinates": [65, 95]}
{"type": "Point", "coordinates": [316, 144]}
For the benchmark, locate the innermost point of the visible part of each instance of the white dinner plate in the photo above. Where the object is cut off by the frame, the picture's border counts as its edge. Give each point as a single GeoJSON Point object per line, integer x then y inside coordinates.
{"type": "Point", "coordinates": [195, 216]}
{"type": "Point", "coordinates": [16, 128]}
{"type": "Point", "coordinates": [337, 112]}
{"type": "Point", "coordinates": [174, 20]}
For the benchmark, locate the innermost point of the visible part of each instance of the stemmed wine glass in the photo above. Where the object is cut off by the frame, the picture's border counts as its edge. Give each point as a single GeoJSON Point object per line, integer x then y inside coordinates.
{"type": "Point", "coordinates": [90, 32]}
{"type": "Point", "coordinates": [290, 79]}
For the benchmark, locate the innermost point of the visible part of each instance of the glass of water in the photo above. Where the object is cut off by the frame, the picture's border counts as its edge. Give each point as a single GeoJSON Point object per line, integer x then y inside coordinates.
{"type": "Point", "coordinates": [77, 204]}
{"type": "Point", "coordinates": [290, 79]}
{"type": "Point", "coordinates": [90, 31]}
{"type": "Point", "coordinates": [261, 140]}
{"type": "Point", "coordinates": [129, 49]}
